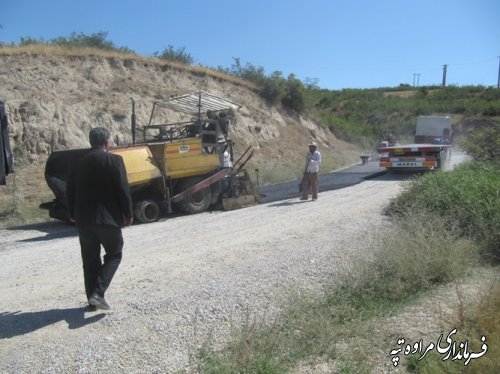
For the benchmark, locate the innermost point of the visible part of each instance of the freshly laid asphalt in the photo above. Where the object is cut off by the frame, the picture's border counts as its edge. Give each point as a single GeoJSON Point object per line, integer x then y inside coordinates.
{"type": "Point", "coordinates": [327, 182]}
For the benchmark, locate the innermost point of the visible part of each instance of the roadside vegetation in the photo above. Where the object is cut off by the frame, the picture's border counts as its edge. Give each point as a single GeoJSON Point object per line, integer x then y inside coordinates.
{"type": "Point", "coordinates": [471, 202]}
{"type": "Point", "coordinates": [356, 114]}
{"type": "Point", "coordinates": [445, 229]}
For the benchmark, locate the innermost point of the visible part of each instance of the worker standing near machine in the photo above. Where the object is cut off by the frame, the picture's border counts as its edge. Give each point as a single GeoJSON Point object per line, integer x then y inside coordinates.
{"type": "Point", "coordinates": [311, 171]}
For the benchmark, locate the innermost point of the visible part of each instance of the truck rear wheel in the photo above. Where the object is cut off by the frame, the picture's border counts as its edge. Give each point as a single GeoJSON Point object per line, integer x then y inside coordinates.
{"type": "Point", "coordinates": [197, 202]}
{"type": "Point", "coordinates": [147, 211]}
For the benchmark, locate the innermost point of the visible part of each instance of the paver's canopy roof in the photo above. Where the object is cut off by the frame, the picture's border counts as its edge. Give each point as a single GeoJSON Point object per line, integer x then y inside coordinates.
{"type": "Point", "coordinates": [197, 102]}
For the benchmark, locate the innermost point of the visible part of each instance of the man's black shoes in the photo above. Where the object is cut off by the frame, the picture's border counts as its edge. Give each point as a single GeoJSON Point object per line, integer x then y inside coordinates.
{"type": "Point", "coordinates": [92, 308]}
{"type": "Point", "coordinates": [98, 301]}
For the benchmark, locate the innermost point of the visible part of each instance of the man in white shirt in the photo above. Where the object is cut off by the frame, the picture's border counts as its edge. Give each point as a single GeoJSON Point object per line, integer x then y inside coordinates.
{"type": "Point", "coordinates": [310, 179]}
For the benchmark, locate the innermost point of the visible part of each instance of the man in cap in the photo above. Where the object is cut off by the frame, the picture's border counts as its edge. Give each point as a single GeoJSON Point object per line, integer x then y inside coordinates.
{"type": "Point", "coordinates": [100, 204]}
{"type": "Point", "coordinates": [310, 178]}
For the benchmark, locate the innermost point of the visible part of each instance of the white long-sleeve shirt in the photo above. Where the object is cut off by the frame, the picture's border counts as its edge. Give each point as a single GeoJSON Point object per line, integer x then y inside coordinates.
{"type": "Point", "coordinates": [313, 159]}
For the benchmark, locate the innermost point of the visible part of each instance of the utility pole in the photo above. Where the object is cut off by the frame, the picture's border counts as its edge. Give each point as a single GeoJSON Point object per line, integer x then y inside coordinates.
{"type": "Point", "coordinates": [418, 79]}
{"type": "Point", "coordinates": [498, 83]}
{"type": "Point", "coordinates": [443, 84]}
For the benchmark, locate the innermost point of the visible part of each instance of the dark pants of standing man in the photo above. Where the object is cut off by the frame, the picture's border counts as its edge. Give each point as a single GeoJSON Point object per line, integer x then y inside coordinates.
{"type": "Point", "coordinates": [310, 180]}
{"type": "Point", "coordinates": [98, 274]}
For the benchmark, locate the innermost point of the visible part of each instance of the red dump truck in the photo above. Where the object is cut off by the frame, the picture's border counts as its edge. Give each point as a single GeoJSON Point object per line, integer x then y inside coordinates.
{"type": "Point", "coordinates": [430, 150]}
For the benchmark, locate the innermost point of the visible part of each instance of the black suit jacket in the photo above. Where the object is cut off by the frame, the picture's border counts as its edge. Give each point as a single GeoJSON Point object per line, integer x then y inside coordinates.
{"type": "Point", "coordinates": [97, 190]}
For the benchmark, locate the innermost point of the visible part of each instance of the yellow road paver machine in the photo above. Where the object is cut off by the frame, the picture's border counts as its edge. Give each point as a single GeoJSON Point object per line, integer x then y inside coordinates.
{"type": "Point", "coordinates": [185, 165]}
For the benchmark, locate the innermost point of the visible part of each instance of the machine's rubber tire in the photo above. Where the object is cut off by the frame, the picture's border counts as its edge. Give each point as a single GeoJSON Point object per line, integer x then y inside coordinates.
{"type": "Point", "coordinates": [147, 211]}
{"type": "Point", "coordinates": [197, 202]}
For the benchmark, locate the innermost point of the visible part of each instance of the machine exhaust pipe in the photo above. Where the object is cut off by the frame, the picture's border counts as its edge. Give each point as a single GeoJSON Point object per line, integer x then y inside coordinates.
{"type": "Point", "coordinates": [133, 121]}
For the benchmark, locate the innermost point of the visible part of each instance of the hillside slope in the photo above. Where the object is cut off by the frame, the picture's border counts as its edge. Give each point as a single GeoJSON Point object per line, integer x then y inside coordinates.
{"type": "Point", "coordinates": [53, 101]}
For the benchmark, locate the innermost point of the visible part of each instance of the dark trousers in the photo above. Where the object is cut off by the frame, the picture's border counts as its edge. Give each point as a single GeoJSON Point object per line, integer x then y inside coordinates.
{"type": "Point", "coordinates": [98, 274]}
{"type": "Point", "coordinates": [310, 181]}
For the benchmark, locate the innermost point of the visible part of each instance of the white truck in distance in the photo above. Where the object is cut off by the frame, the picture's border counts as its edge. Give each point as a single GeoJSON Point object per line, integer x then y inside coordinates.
{"type": "Point", "coordinates": [430, 150]}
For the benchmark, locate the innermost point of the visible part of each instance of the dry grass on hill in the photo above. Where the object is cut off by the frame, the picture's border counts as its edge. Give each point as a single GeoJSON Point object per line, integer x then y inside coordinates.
{"type": "Point", "coordinates": [40, 49]}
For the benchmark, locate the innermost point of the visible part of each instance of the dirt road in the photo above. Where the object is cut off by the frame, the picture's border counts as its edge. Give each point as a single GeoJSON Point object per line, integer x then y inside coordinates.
{"type": "Point", "coordinates": [182, 280]}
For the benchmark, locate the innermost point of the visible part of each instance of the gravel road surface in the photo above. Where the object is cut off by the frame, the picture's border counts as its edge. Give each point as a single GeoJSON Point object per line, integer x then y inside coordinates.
{"type": "Point", "coordinates": [182, 281]}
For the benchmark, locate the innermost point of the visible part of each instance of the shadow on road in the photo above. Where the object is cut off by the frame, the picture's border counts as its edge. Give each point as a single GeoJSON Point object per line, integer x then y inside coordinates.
{"type": "Point", "coordinates": [52, 230]}
{"type": "Point", "coordinates": [288, 203]}
{"type": "Point", "coordinates": [19, 323]}
{"type": "Point", "coordinates": [399, 176]}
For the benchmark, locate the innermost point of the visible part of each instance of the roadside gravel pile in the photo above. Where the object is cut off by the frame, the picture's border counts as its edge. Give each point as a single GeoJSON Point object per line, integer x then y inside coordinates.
{"type": "Point", "coordinates": [183, 281]}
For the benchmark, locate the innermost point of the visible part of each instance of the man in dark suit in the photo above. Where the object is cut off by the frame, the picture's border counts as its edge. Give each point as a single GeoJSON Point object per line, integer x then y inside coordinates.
{"type": "Point", "coordinates": [100, 204]}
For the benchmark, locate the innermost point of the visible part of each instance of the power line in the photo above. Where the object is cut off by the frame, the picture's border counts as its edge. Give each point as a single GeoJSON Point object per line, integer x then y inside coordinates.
{"type": "Point", "coordinates": [480, 62]}
{"type": "Point", "coordinates": [278, 66]}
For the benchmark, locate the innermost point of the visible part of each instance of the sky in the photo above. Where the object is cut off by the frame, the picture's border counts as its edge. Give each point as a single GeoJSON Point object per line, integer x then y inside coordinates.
{"type": "Point", "coordinates": [338, 43]}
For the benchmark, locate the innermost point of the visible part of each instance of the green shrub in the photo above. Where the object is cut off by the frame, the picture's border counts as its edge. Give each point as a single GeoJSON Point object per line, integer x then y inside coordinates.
{"type": "Point", "coordinates": [273, 89]}
{"type": "Point", "coordinates": [484, 144]}
{"type": "Point", "coordinates": [420, 251]}
{"type": "Point", "coordinates": [79, 40]}
{"type": "Point", "coordinates": [176, 55]}
{"type": "Point", "coordinates": [294, 94]}
{"type": "Point", "coordinates": [468, 198]}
